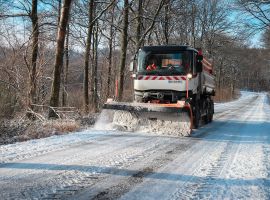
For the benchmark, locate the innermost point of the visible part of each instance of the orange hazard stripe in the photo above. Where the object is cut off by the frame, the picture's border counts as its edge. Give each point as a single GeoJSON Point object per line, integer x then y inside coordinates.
{"type": "Point", "coordinates": [142, 77]}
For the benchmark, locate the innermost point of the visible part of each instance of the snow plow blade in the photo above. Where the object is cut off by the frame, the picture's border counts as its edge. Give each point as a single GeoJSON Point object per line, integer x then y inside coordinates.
{"type": "Point", "coordinates": [168, 119]}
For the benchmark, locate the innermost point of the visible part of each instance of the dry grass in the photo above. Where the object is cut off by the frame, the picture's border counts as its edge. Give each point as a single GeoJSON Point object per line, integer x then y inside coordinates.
{"type": "Point", "coordinates": [51, 127]}
{"type": "Point", "coordinates": [17, 131]}
{"type": "Point", "coordinates": [20, 128]}
{"type": "Point", "coordinates": [62, 126]}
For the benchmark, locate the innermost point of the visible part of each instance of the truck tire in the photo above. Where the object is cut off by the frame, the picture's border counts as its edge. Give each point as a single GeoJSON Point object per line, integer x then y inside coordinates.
{"type": "Point", "coordinates": [209, 112]}
{"type": "Point", "coordinates": [210, 119]}
{"type": "Point", "coordinates": [196, 115]}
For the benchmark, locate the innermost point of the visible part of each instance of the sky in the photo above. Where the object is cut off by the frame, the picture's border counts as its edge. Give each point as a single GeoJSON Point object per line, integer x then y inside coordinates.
{"type": "Point", "coordinates": [237, 18]}
{"type": "Point", "coordinates": [234, 16]}
{"type": "Point", "coordinates": [238, 15]}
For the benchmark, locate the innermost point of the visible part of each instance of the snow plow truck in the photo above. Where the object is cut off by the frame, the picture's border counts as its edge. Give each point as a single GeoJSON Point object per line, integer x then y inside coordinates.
{"type": "Point", "coordinates": [173, 89]}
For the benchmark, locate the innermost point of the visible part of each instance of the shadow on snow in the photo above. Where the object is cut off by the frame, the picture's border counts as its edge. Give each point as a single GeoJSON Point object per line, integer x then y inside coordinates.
{"type": "Point", "coordinates": [127, 173]}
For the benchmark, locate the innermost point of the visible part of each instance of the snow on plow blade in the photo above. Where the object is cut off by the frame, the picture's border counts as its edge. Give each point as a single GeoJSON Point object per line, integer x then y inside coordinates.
{"type": "Point", "coordinates": [168, 119]}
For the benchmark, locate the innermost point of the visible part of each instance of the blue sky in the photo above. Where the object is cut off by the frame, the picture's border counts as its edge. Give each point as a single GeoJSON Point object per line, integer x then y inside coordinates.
{"type": "Point", "coordinates": [241, 18]}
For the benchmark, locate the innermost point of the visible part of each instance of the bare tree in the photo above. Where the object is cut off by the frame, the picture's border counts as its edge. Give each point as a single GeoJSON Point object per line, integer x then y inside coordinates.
{"type": "Point", "coordinates": [258, 11]}
{"type": "Point", "coordinates": [166, 21]}
{"type": "Point", "coordinates": [139, 24]}
{"type": "Point", "coordinates": [101, 35]}
{"type": "Point", "coordinates": [93, 17]}
{"type": "Point", "coordinates": [65, 70]}
{"type": "Point", "coordinates": [35, 31]}
{"type": "Point", "coordinates": [110, 39]}
{"type": "Point", "coordinates": [55, 90]}
{"type": "Point", "coordinates": [87, 55]}
{"type": "Point", "coordinates": [31, 12]}
{"type": "Point", "coordinates": [144, 29]}
{"type": "Point", "coordinates": [124, 43]}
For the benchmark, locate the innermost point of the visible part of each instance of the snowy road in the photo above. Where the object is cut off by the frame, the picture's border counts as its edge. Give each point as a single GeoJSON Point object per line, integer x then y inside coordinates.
{"type": "Point", "coordinates": [227, 159]}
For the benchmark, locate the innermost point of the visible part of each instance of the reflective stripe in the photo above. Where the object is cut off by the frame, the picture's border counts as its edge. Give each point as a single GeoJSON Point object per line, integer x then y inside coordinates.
{"type": "Point", "coordinates": [147, 77]}
{"type": "Point", "coordinates": [161, 78]}
{"type": "Point", "coordinates": [141, 77]}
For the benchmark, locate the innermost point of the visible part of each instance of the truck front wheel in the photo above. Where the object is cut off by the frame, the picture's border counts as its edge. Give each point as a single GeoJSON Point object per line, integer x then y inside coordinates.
{"type": "Point", "coordinates": [196, 115]}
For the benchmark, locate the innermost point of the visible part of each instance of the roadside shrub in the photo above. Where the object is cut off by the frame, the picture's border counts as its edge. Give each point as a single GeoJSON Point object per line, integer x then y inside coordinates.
{"type": "Point", "coordinates": [62, 126]}
{"type": "Point", "coordinates": [8, 103]}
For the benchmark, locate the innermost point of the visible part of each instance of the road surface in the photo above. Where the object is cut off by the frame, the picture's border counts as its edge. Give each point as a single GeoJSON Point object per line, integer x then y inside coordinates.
{"type": "Point", "coordinates": [227, 159]}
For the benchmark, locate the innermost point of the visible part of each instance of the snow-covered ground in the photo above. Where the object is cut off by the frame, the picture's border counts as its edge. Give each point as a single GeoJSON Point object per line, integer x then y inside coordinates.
{"type": "Point", "coordinates": [227, 159]}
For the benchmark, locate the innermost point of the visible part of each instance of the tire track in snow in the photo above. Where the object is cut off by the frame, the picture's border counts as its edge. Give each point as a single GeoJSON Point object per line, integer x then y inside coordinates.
{"type": "Point", "coordinates": [209, 188]}
{"type": "Point", "coordinates": [110, 192]}
{"type": "Point", "coordinates": [130, 158]}
{"type": "Point", "coordinates": [206, 187]}
{"type": "Point", "coordinates": [77, 152]}
{"type": "Point", "coordinates": [70, 183]}
{"type": "Point", "coordinates": [209, 128]}
{"type": "Point", "coordinates": [266, 149]}
{"type": "Point", "coordinates": [266, 161]}
{"type": "Point", "coordinates": [38, 147]}
{"type": "Point", "coordinates": [211, 173]}
{"type": "Point", "coordinates": [67, 183]}
{"type": "Point", "coordinates": [207, 162]}
{"type": "Point", "coordinates": [66, 177]}
{"type": "Point", "coordinates": [250, 156]}
{"type": "Point", "coordinates": [208, 169]}
{"type": "Point", "coordinates": [115, 187]}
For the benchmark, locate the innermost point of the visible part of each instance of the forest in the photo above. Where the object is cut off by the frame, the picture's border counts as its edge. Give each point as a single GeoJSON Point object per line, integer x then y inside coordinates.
{"type": "Point", "coordinates": [60, 56]}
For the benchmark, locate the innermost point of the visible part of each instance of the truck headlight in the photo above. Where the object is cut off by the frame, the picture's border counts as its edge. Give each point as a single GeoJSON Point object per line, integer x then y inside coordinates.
{"type": "Point", "coordinates": [189, 76]}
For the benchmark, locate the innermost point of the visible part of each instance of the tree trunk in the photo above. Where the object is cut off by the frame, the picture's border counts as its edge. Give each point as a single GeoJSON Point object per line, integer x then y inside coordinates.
{"type": "Point", "coordinates": [219, 78]}
{"type": "Point", "coordinates": [33, 73]}
{"type": "Point", "coordinates": [65, 71]}
{"type": "Point", "coordinates": [193, 25]}
{"type": "Point", "coordinates": [110, 54]}
{"type": "Point", "coordinates": [87, 56]}
{"type": "Point", "coordinates": [95, 72]}
{"type": "Point", "coordinates": [203, 24]}
{"type": "Point", "coordinates": [124, 42]}
{"type": "Point", "coordinates": [59, 11]}
{"type": "Point", "coordinates": [55, 90]}
{"type": "Point", "coordinates": [139, 25]}
{"type": "Point", "coordinates": [166, 22]}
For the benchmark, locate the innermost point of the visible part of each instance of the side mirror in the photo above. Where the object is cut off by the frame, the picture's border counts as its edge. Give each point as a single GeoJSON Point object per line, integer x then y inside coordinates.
{"type": "Point", "coordinates": [131, 66]}
{"type": "Point", "coordinates": [199, 67]}
{"type": "Point", "coordinates": [199, 57]}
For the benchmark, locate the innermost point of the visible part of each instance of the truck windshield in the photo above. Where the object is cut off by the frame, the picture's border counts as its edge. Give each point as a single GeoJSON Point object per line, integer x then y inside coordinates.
{"type": "Point", "coordinates": [176, 63]}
